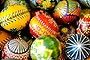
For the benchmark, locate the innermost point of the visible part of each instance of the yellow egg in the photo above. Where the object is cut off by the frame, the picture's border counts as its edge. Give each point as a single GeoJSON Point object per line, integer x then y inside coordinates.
{"type": "Point", "coordinates": [14, 17]}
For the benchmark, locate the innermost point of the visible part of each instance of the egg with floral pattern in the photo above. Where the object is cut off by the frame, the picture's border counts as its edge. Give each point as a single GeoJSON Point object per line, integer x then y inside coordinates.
{"type": "Point", "coordinates": [46, 4]}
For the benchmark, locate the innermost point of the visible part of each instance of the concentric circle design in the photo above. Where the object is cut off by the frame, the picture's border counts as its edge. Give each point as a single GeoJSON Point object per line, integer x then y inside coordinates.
{"type": "Point", "coordinates": [78, 47]}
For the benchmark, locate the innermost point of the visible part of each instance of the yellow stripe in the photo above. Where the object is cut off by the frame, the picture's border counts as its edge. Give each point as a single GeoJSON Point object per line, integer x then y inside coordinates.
{"type": "Point", "coordinates": [35, 24]}
{"type": "Point", "coordinates": [12, 8]}
{"type": "Point", "coordinates": [18, 24]}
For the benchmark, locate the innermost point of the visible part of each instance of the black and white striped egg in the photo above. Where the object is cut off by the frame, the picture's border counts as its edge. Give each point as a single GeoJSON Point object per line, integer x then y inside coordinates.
{"type": "Point", "coordinates": [78, 47]}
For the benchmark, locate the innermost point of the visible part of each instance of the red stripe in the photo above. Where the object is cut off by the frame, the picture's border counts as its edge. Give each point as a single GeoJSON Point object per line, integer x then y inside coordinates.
{"type": "Point", "coordinates": [33, 32]}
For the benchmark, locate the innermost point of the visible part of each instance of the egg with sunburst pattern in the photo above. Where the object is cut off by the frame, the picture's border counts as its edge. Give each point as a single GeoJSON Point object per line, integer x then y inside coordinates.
{"type": "Point", "coordinates": [16, 49]}
{"type": "Point", "coordinates": [78, 47]}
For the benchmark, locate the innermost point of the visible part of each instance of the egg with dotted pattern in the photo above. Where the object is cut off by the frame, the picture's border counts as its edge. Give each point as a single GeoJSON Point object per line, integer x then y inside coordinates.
{"type": "Point", "coordinates": [66, 12]}
{"type": "Point", "coordinates": [84, 25]}
{"type": "Point", "coordinates": [43, 24]}
{"type": "Point", "coordinates": [14, 17]}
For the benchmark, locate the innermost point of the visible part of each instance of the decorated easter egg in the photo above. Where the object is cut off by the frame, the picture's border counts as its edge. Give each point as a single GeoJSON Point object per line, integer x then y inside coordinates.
{"type": "Point", "coordinates": [66, 31]}
{"type": "Point", "coordinates": [16, 49]}
{"type": "Point", "coordinates": [78, 47]}
{"type": "Point", "coordinates": [45, 48]}
{"type": "Point", "coordinates": [19, 2]}
{"type": "Point", "coordinates": [43, 24]}
{"type": "Point", "coordinates": [4, 38]}
{"type": "Point", "coordinates": [84, 25]}
{"type": "Point", "coordinates": [85, 2]}
{"type": "Point", "coordinates": [66, 12]}
{"type": "Point", "coordinates": [14, 17]}
{"type": "Point", "coordinates": [46, 4]}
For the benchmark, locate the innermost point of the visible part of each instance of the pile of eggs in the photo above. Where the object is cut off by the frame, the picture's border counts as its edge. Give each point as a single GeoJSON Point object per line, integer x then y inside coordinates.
{"type": "Point", "coordinates": [44, 30]}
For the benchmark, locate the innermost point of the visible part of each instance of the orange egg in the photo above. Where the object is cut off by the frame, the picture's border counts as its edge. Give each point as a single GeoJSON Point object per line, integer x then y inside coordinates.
{"type": "Point", "coordinates": [4, 38]}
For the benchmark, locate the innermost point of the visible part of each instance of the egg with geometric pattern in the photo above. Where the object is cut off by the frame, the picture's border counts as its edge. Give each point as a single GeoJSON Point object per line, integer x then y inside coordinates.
{"type": "Point", "coordinates": [43, 24]}
{"type": "Point", "coordinates": [16, 49]}
{"type": "Point", "coordinates": [66, 12]}
{"type": "Point", "coordinates": [45, 48]}
{"type": "Point", "coordinates": [78, 47]}
{"type": "Point", "coordinates": [84, 25]}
